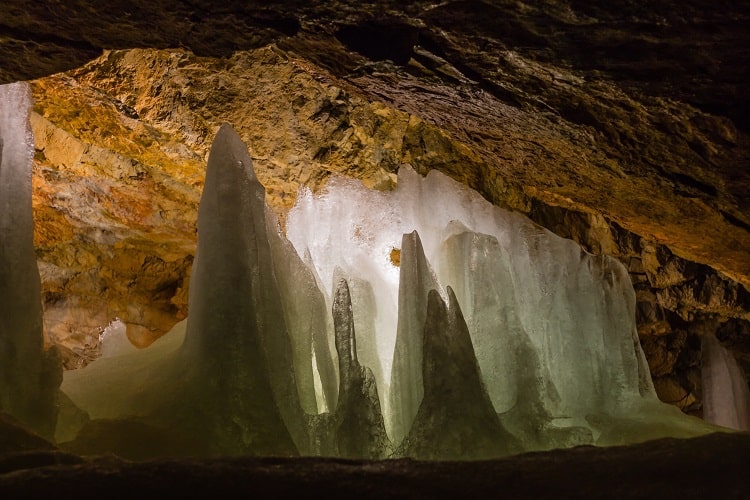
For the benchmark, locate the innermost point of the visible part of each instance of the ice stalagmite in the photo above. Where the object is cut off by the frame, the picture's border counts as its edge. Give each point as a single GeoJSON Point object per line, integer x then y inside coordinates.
{"type": "Point", "coordinates": [726, 398]}
{"type": "Point", "coordinates": [456, 419]}
{"type": "Point", "coordinates": [415, 282]}
{"type": "Point", "coordinates": [229, 388]}
{"type": "Point", "coordinates": [306, 317]}
{"type": "Point", "coordinates": [360, 430]}
{"type": "Point", "coordinates": [29, 374]}
{"type": "Point", "coordinates": [365, 311]}
{"type": "Point", "coordinates": [237, 342]}
{"type": "Point", "coordinates": [549, 354]}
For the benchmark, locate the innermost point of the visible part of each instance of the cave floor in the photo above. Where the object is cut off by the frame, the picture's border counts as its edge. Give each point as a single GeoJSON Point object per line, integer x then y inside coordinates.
{"type": "Point", "coordinates": [713, 466]}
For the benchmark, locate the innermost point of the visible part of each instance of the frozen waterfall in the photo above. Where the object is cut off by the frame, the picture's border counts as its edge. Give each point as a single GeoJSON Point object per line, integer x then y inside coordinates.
{"type": "Point", "coordinates": [422, 322]}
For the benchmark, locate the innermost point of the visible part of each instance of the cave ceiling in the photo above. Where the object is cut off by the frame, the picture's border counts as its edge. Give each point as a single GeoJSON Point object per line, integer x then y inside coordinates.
{"type": "Point", "coordinates": [622, 125]}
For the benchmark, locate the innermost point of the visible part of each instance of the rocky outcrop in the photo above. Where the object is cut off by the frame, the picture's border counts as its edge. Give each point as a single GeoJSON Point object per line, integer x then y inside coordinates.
{"type": "Point", "coordinates": [621, 126]}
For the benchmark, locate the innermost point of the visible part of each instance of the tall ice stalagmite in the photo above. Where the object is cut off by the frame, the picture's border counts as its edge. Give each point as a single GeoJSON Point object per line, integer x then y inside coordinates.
{"type": "Point", "coordinates": [236, 334]}
{"type": "Point", "coordinates": [229, 388]}
{"type": "Point", "coordinates": [360, 429]}
{"type": "Point", "coordinates": [407, 387]}
{"type": "Point", "coordinates": [29, 374]}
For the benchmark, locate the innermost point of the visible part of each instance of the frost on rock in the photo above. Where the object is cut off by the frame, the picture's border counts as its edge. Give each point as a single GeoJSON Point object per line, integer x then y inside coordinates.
{"type": "Point", "coordinates": [456, 419]}
{"type": "Point", "coordinates": [726, 398]}
{"type": "Point", "coordinates": [29, 374]}
{"type": "Point", "coordinates": [113, 341]}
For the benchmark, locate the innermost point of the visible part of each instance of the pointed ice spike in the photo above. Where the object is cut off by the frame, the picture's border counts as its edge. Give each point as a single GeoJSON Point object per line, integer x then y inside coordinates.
{"type": "Point", "coordinates": [346, 345]}
{"type": "Point", "coordinates": [360, 430]}
{"type": "Point", "coordinates": [236, 341]}
{"type": "Point", "coordinates": [29, 375]}
{"type": "Point", "coordinates": [415, 281]}
{"type": "Point", "coordinates": [365, 311]}
{"type": "Point", "coordinates": [324, 344]}
{"type": "Point", "coordinates": [306, 315]}
{"type": "Point", "coordinates": [456, 419]}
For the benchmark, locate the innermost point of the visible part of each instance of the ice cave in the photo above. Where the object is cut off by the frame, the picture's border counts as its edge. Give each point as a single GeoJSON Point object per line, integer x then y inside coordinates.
{"type": "Point", "coordinates": [420, 321]}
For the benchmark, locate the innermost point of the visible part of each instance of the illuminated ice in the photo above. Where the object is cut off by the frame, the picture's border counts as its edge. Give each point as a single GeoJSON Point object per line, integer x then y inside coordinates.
{"type": "Point", "coordinates": [346, 339]}
{"type": "Point", "coordinates": [553, 326]}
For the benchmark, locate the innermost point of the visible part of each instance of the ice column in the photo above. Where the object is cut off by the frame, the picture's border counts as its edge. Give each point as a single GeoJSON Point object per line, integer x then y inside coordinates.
{"type": "Point", "coordinates": [726, 399]}
{"type": "Point", "coordinates": [415, 282]}
{"type": "Point", "coordinates": [29, 374]}
{"type": "Point", "coordinates": [229, 387]}
{"type": "Point", "coordinates": [360, 430]}
{"type": "Point", "coordinates": [237, 341]}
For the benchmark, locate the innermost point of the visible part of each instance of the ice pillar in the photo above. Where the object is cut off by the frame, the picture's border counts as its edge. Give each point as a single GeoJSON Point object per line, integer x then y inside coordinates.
{"type": "Point", "coordinates": [726, 399]}
{"type": "Point", "coordinates": [29, 374]}
{"type": "Point", "coordinates": [415, 282]}
{"type": "Point", "coordinates": [360, 430]}
{"type": "Point", "coordinates": [237, 344]}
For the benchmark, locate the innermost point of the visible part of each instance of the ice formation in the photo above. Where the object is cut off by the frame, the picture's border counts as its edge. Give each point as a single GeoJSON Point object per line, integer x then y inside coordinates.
{"type": "Point", "coordinates": [456, 419]}
{"type": "Point", "coordinates": [726, 398]}
{"type": "Point", "coordinates": [113, 341]}
{"type": "Point", "coordinates": [29, 374]}
{"type": "Point", "coordinates": [326, 343]}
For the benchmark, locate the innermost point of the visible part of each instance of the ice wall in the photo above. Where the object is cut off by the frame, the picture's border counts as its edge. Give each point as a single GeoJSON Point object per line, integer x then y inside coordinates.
{"type": "Point", "coordinates": [726, 398]}
{"type": "Point", "coordinates": [328, 343]}
{"type": "Point", "coordinates": [552, 327]}
{"type": "Point", "coordinates": [29, 374]}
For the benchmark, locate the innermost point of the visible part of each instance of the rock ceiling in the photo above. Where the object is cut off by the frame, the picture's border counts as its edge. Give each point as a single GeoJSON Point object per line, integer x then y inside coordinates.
{"type": "Point", "coordinates": [621, 125]}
